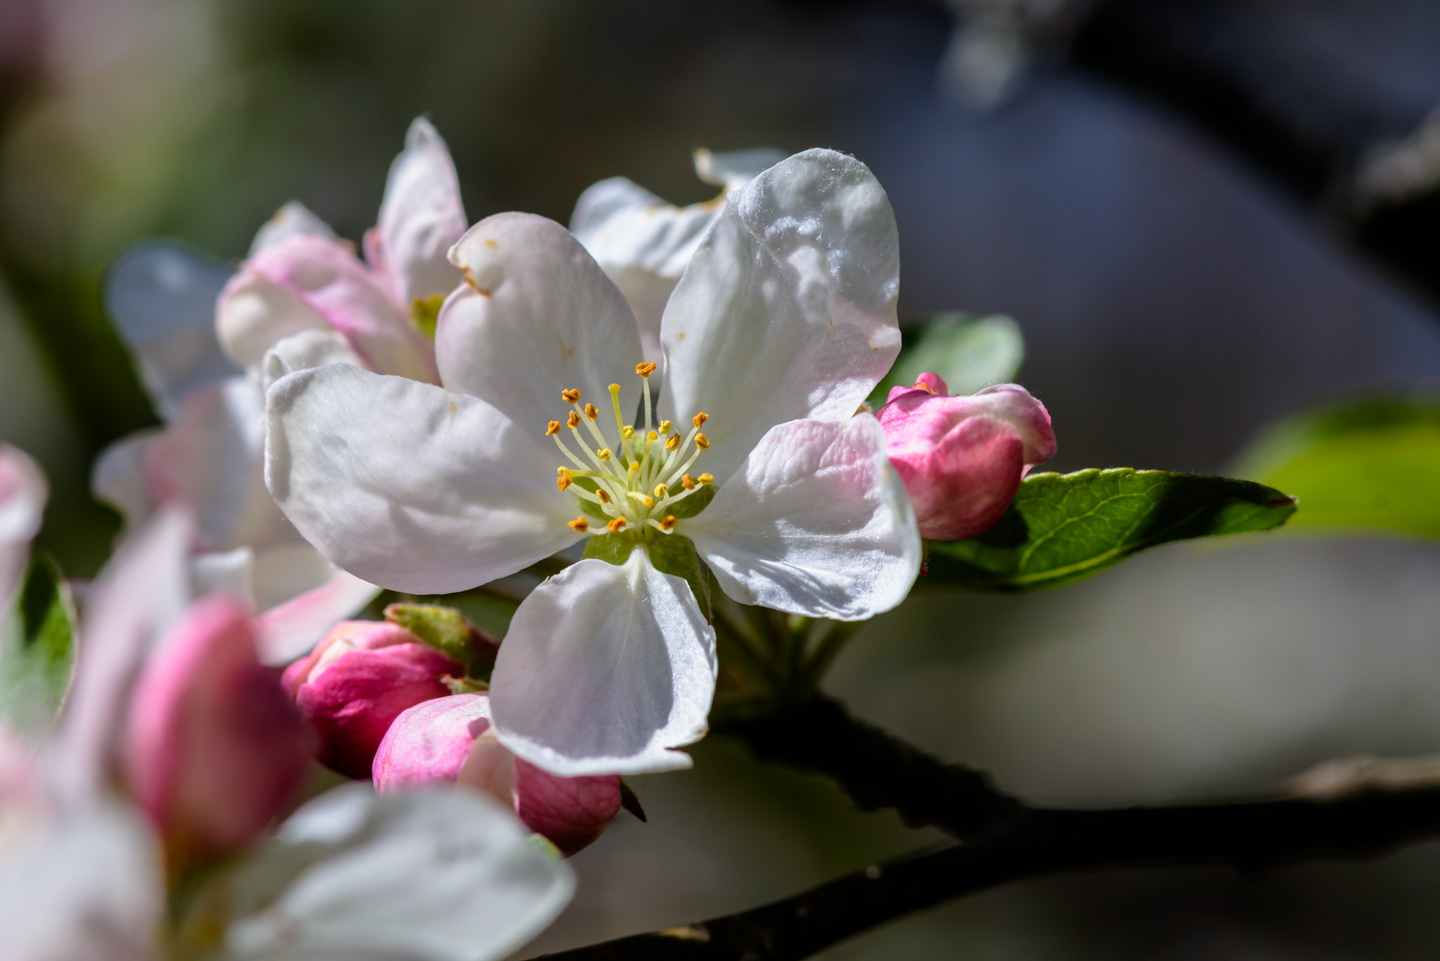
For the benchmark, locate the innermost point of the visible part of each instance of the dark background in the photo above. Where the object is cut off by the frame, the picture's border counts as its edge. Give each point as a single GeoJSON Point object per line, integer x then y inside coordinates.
{"type": "Point", "coordinates": [1176, 295]}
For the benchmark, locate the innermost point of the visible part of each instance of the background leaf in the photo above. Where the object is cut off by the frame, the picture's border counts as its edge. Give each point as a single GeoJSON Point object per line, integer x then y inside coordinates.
{"type": "Point", "coordinates": [1065, 527]}
{"type": "Point", "coordinates": [1374, 465]}
{"type": "Point", "coordinates": [37, 651]}
{"type": "Point", "coordinates": [970, 352]}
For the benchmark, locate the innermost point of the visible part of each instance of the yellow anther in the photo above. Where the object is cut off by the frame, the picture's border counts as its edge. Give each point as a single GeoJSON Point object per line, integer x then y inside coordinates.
{"type": "Point", "coordinates": [563, 471]}
{"type": "Point", "coordinates": [649, 502]}
{"type": "Point", "coordinates": [571, 396]}
{"type": "Point", "coordinates": [673, 441]}
{"type": "Point", "coordinates": [645, 368]}
{"type": "Point", "coordinates": [634, 466]}
{"type": "Point", "coordinates": [661, 490]}
{"type": "Point", "coordinates": [573, 420]}
{"type": "Point", "coordinates": [602, 495]}
{"type": "Point", "coordinates": [627, 432]}
{"type": "Point", "coordinates": [651, 437]}
{"type": "Point", "coordinates": [665, 427]}
{"type": "Point", "coordinates": [603, 453]}
{"type": "Point", "coordinates": [563, 482]}
{"type": "Point", "coordinates": [699, 419]}
{"type": "Point", "coordinates": [591, 412]}
{"type": "Point", "coordinates": [687, 482]}
{"type": "Point", "coordinates": [552, 428]}
{"type": "Point", "coordinates": [702, 442]}
{"type": "Point", "coordinates": [705, 479]}
{"type": "Point", "coordinates": [616, 525]}
{"type": "Point", "coordinates": [667, 524]}
{"type": "Point", "coordinates": [579, 525]}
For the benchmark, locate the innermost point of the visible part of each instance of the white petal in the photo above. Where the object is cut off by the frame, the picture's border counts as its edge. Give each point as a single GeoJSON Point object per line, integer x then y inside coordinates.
{"type": "Point", "coordinates": [642, 243]}
{"type": "Point", "coordinates": [161, 298]}
{"type": "Point", "coordinates": [23, 493]}
{"type": "Point", "coordinates": [420, 219]}
{"type": "Point", "coordinates": [294, 627]}
{"type": "Point", "coordinates": [815, 522]}
{"type": "Point", "coordinates": [139, 593]}
{"type": "Point", "coordinates": [212, 458]}
{"type": "Point", "coordinates": [787, 310]}
{"type": "Point", "coordinates": [408, 485]}
{"type": "Point", "coordinates": [309, 348]}
{"type": "Point", "coordinates": [82, 887]}
{"type": "Point", "coordinates": [438, 875]}
{"type": "Point", "coordinates": [733, 169]}
{"type": "Point", "coordinates": [119, 476]}
{"type": "Point", "coordinates": [230, 572]}
{"type": "Point", "coordinates": [538, 316]}
{"type": "Point", "coordinates": [606, 669]}
{"type": "Point", "coordinates": [292, 220]}
{"type": "Point", "coordinates": [254, 314]}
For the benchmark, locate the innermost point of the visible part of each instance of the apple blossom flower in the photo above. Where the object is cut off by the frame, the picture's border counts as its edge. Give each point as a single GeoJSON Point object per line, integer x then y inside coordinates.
{"type": "Point", "coordinates": [23, 492]}
{"type": "Point", "coordinates": [781, 325]}
{"type": "Point", "coordinates": [425, 876]}
{"type": "Point", "coordinates": [304, 296]}
{"type": "Point", "coordinates": [451, 740]}
{"type": "Point", "coordinates": [644, 244]}
{"type": "Point", "coordinates": [358, 679]}
{"type": "Point", "coordinates": [962, 458]}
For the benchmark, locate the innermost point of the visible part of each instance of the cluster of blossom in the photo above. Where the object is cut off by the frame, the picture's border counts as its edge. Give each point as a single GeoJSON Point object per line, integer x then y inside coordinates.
{"type": "Point", "coordinates": [671, 387]}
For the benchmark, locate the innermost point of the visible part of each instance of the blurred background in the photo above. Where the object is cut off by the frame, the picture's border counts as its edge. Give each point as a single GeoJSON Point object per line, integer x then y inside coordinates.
{"type": "Point", "coordinates": [1204, 216]}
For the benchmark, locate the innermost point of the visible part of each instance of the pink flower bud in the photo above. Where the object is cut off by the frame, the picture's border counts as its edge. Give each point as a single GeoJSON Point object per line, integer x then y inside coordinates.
{"type": "Point", "coordinates": [359, 678]}
{"type": "Point", "coordinates": [214, 748]}
{"type": "Point", "coordinates": [962, 458]}
{"type": "Point", "coordinates": [451, 739]}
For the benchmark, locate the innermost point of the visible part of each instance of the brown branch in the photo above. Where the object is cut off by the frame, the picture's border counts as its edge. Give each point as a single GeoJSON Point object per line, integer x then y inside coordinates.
{"type": "Point", "coordinates": [1359, 816]}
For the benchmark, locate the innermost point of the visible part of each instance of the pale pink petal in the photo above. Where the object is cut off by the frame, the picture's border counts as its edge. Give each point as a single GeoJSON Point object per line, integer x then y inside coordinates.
{"type": "Point", "coordinates": [430, 743]}
{"type": "Point", "coordinates": [23, 493]}
{"type": "Point", "coordinates": [289, 629]}
{"type": "Point", "coordinates": [570, 811]}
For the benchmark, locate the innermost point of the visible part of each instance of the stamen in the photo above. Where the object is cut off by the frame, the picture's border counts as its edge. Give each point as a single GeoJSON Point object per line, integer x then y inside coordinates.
{"type": "Point", "coordinates": [563, 482]}
{"type": "Point", "coordinates": [603, 453]}
{"type": "Point", "coordinates": [602, 495]}
{"type": "Point", "coordinates": [571, 396]}
{"type": "Point", "coordinates": [667, 523]}
{"type": "Point", "coordinates": [634, 467]}
{"type": "Point", "coordinates": [591, 411]}
{"type": "Point", "coordinates": [699, 419]}
{"type": "Point", "coordinates": [562, 471]}
{"type": "Point", "coordinates": [665, 427]}
{"type": "Point", "coordinates": [702, 442]}
{"type": "Point", "coordinates": [705, 480]}
{"type": "Point", "coordinates": [552, 428]}
{"type": "Point", "coordinates": [661, 490]}
{"type": "Point", "coordinates": [627, 432]}
{"type": "Point", "coordinates": [651, 437]}
{"type": "Point", "coordinates": [645, 368]}
{"type": "Point", "coordinates": [573, 420]}
{"type": "Point", "coordinates": [579, 525]}
{"type": "Point", "coordinates": [687, 482]}
{"type": "Point", "coordinates": [671, 442]}
{"type": "Point", "coordinates": [616, 525]}
{"type": "Point", "coordinates": [648, 502]}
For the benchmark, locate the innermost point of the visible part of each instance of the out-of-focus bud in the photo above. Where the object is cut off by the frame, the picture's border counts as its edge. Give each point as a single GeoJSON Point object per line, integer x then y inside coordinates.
{"type": "Point", "coordinates": [357, 680]}
{"type": "Point", "coordinates": [451, 739]}
{"type": "Point", "coordinates": [962, 458]}
{"type": "Point", "coordinates": [214, 749]}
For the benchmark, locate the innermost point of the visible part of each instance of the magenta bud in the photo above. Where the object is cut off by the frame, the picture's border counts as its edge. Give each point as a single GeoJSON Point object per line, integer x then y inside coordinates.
{"type": "Point", "coordinates": [214, 747]}
{"type": "Point", "coordinates": [962, 458]}
{"type": "Point", "coordinates": [359, 678]}
{"type": "Point", "coordinates": [451, 740]}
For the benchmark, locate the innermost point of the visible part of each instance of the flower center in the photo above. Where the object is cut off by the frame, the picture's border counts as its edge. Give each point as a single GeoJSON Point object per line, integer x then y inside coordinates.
{"type": "Point", "coordinates": [635, 478]}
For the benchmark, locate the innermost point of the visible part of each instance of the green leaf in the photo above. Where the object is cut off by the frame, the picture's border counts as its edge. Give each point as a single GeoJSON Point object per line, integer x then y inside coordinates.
{"type": "Point", "coordinates": [970, 352]}
{"type": "Point", "coordinates": [37, 651]}
{"type": "Point", "coordinates": [1065, 527]}
{"type": "Point", "coordinates": [670, 553]}
{"type": "Point", "coordinates": [1371, 465]}
{"type": "Point", "coordinates": [449, 632]}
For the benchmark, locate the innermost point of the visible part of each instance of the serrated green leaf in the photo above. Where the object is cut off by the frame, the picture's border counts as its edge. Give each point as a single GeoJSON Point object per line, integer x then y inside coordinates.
{"type": "Point", "coordinates": [1064, 527]}
{"type": "Point", "coordinates": [1371, 465]}
{"type": "Point", "coordinates": [37, 652]}
{"type": "Point", "coordinates": [969, 351]}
